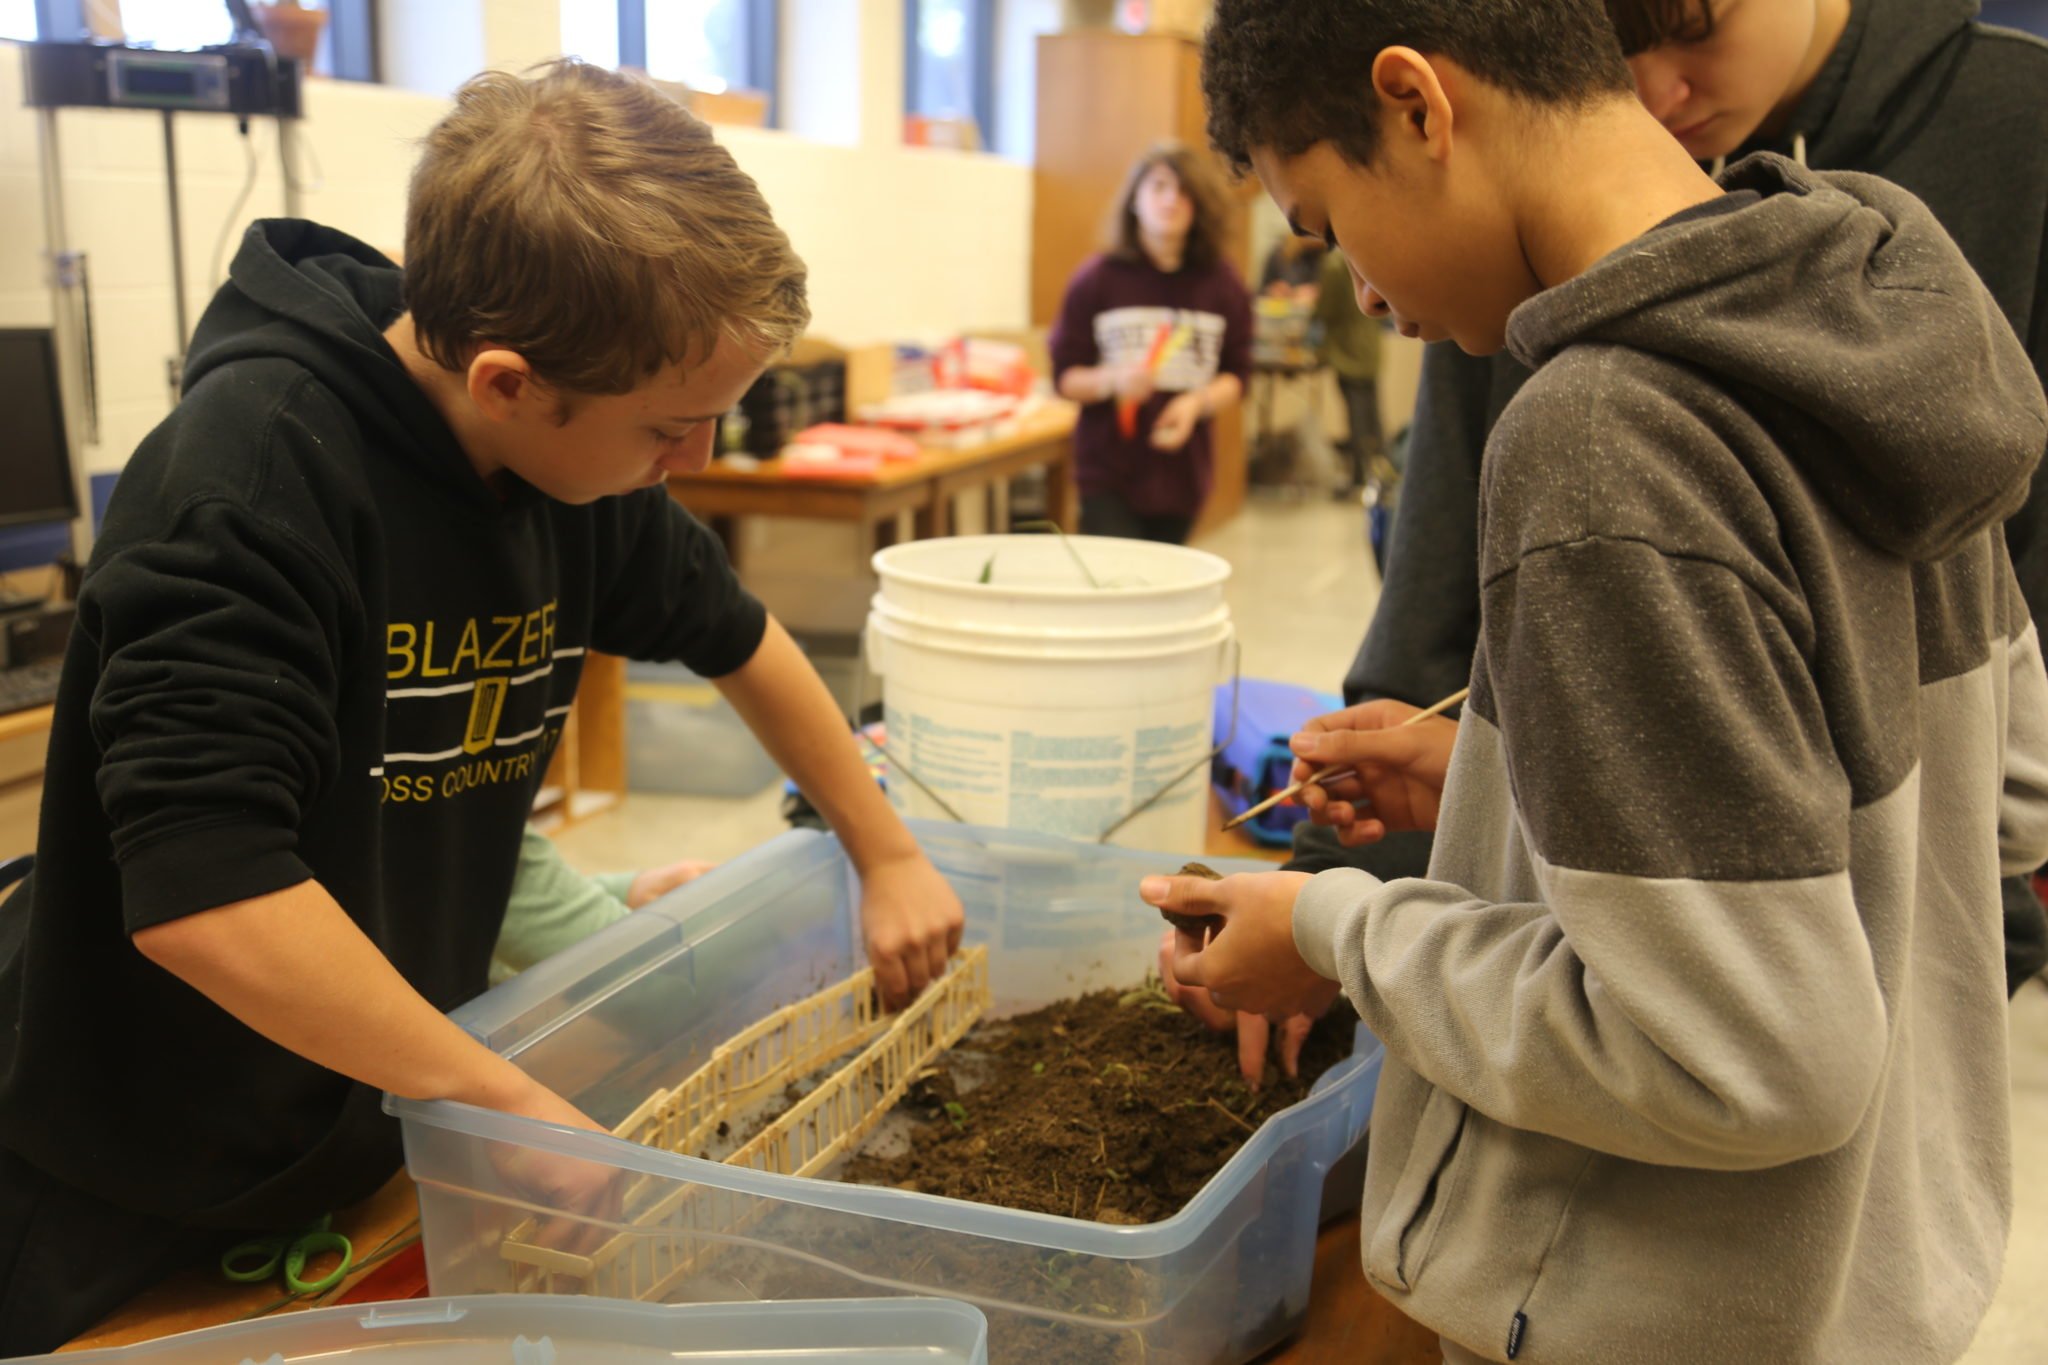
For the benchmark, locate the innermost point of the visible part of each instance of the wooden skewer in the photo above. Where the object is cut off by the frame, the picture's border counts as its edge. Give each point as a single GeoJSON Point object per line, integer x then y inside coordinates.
{"type": "Point", "coordinates": [1328, 775]}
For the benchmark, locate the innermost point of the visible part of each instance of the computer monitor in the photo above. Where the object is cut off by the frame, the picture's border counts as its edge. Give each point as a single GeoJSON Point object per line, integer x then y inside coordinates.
{"type": "Point", "coordinates": [35, 465]}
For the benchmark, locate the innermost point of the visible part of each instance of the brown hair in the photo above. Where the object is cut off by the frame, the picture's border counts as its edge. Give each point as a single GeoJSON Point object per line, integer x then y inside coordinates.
{"type": "Point", "coordinates": [588, 222]}
{"type": "Point", "coordinates": [1208, 236]}
{"type": "Point", "coordinates": [1646, 24]}
{"type": "Point", "coordinates": [1287, 74]}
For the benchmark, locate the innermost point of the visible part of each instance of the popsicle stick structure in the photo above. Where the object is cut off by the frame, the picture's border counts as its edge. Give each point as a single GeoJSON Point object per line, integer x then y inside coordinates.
{"type": "Point", "coordinates": [665, 1238]}
{"type": "Point", "coordinates": [792, 1042]}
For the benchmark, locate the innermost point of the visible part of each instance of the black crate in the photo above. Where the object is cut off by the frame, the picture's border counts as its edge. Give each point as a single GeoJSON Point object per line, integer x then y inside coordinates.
{"type": "Point", "coordinates": [789, 398]}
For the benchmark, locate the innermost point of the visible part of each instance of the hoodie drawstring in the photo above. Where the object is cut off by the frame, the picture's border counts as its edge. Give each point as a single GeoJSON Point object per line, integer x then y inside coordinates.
{"type": "Point", "coordinates": [1798, 155]}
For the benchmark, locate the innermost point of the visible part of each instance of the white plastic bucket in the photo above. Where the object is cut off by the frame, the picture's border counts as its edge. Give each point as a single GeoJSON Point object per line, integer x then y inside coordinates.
{"type": "Point", "coordinates": [1036, 701]}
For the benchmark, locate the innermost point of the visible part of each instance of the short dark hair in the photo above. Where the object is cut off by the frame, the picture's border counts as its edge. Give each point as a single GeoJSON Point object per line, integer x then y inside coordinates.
{"type": "Point", "coordinates": [1644, 24]}
{"type": "Point", "coordinates": [1287, 74]}
{"type": "Point", "coordinates": [1209, 236]}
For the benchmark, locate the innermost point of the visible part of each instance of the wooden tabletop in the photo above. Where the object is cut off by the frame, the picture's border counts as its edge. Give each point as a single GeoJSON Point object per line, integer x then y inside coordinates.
{"type": "Point", "coordinates": [386, 1222]}
{"type": "Point", "coordinates": [937, 460]}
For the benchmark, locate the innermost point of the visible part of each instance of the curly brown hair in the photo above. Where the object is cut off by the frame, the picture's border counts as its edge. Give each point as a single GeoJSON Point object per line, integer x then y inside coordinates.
{"type": "Point", "coordinates": [1287, 74]}
{"type": "Point", "coordinates": [1209, 237]}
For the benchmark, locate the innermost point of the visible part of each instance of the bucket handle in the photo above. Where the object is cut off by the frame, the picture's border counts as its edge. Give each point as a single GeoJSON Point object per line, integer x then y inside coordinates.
{"type": "Point", "coordinates": [897, 765]}
{"type": "Point", "coordinates": [1230, 734]}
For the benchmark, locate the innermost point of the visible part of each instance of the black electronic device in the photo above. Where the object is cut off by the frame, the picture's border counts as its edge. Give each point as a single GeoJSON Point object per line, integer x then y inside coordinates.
{"type": "Point", "coordinates": [243, 79]}
{"type": "Point", "coordinates": [30, 685]}
{"type": "Point", "coordinates": [35, 636]}
{"type": "Point", "coordinates": [35, 463]}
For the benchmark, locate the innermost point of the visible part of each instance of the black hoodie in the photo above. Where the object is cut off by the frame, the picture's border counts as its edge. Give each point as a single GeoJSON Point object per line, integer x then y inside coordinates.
{"type": "Point", "coordinates": [1915, 91]}
{"type": "Point", "coordinates": [311, 643]}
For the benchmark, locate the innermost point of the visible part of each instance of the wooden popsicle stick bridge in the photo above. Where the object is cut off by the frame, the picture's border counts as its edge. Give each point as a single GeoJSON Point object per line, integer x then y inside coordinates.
{"type": "Point", "coordinates": [666, 1238]}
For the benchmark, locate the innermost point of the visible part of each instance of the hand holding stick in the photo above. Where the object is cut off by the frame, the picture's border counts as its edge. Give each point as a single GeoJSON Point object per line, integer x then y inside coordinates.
{"type": "Point", "coordinates": [1328, 775]}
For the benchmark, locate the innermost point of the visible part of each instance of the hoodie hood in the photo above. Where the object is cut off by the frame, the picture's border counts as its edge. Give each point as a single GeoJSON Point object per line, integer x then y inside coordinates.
{"type": "Point", "coordinates": [1887, 73]}
{"type": "Point", "coordinates": [1839, 311]}
{"type": "Point", "coordinates": [321, 299]}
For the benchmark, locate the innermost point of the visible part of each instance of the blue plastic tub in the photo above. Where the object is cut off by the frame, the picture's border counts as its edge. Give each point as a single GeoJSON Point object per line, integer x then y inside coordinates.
{"type": "Point", "coordinates": [638, 1007]}
{"type": "Point", "coordinates": [532, 1329]}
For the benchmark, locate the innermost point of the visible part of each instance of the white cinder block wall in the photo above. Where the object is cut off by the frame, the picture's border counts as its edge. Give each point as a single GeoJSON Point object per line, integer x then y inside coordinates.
{"type": "Point", "coordinates": [903, 243]}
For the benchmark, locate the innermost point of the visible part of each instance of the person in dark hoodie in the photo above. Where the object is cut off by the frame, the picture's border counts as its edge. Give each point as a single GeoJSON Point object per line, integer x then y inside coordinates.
{"type": "Point", "coordinates": [1913, 90]}
{"type": "Point", "coordinates": [324, 649]}
{"type": "Point", "coordinates": [1696, 1028]}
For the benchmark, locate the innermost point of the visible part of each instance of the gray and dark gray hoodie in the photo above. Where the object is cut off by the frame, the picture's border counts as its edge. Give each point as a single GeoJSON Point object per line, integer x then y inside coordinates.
{"type": "Point", "coordinates": [1696, 1030]}
{"type": "Point", "coordinates": [1914, 91]}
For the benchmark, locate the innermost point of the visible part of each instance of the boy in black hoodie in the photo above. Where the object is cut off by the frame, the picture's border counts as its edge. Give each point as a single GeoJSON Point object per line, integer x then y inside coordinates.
{"type": "Point", "coordinates": [324, 651]}
{"type": "Point", "coordinates": [1913, 90]}
{"type": "Point", "coordinates": [1695, 1030]}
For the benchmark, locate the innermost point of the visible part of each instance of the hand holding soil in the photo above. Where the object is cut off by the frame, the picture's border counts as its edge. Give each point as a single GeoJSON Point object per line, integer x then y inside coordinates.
{"type": "Point", "coordinates": [1250, 963]}
{"type": "Point", "coordinates": [1197, 925]}
{"type": "Point", "coordinates": [1254, 1032]}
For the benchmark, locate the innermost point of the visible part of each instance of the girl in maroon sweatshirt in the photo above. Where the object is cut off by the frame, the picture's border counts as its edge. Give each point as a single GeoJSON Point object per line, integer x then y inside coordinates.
{"type": "Point", "coordinates": [1154, 338]}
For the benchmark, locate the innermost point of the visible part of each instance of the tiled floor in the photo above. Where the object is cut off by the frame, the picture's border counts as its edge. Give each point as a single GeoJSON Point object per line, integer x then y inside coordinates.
{"type": "Point", "coordinates": [1302, 591]}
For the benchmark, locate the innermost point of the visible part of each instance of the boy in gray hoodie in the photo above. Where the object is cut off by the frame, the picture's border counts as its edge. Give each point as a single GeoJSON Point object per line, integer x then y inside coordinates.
{"type": "Point", "coordinates": [1695, 1028]}
{"type": "Point", "coordinates": [1916, 91]}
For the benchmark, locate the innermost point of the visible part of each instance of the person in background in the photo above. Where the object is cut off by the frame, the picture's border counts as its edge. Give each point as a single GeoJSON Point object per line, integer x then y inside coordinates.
{"type": "Point", "coordinates": [553, 906]}
{"type": "Point", "coordinates": [1294, 269]}
{"type": "Point", "coordinates": [1915, 91]}
{"type": "Point", "coordinates": [1154, 338]}
{"type": "Point", "coordinates": [1350, 345]}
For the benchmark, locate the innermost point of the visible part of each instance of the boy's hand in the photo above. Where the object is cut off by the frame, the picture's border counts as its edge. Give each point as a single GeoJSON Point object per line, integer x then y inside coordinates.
{"type": "Point", "coordinates": [1250, 964]}
{"type": "Point", "coordinates": [1177, 422]}
{"type": "Point", "coordinates": [589, 1194]}
{"type": "Point", "coordinates": [1401, 768]}
{"type": "Point", "coordinates": [657, 882]}
{"type": "Point", "coordinates": [911, 921]}
{"type": "Point", "coordinates": [1254, 1031]}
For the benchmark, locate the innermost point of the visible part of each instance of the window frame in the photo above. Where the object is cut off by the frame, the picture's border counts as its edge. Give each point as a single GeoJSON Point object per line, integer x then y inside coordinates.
{"type": "Point", "coordinates": [764, 47]}
{"type": "Point", "coordinates": [981, 60]}
{"type": "Point", "coordinates": [351, 40]}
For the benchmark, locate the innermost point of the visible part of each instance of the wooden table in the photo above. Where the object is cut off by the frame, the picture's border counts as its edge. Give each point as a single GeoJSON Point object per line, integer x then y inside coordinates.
{"type": "Point", "coordinates": [200, 1297]}
{"type": "Point", "coordinates": [924, 487]}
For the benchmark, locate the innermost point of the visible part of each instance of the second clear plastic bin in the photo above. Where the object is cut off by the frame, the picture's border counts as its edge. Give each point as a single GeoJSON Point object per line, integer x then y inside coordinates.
{"type": "Point", "coordinates": [517, 1329]}
{"type": "Point", "coordinates": [636, 1008]}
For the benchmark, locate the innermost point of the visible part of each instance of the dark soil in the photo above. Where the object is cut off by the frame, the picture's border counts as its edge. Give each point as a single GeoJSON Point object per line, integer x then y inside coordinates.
{"type": "Point", "coordinates": [1115, 1107]}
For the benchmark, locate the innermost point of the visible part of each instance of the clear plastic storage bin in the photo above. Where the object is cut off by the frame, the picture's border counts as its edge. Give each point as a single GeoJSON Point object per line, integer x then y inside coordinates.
{"type": "Point", "coordinates": [636, 1008]}
{"type": "Point", "coordinates": [529, 1329]}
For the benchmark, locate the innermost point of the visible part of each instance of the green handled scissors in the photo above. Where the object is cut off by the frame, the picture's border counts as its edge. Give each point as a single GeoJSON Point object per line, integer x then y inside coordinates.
{"type": "Point", "coordinates": [258, 1259]}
